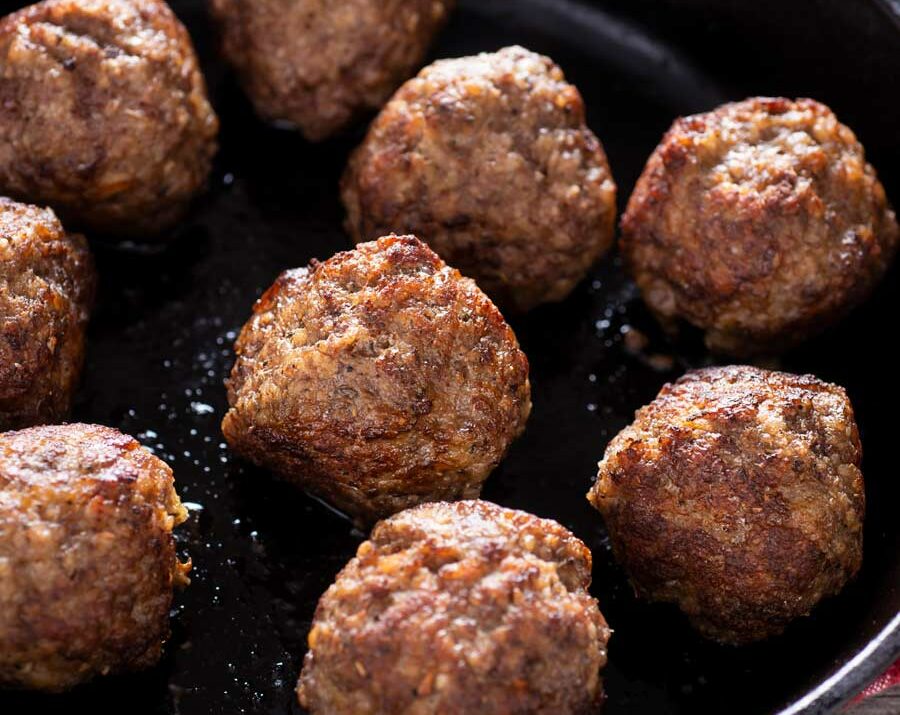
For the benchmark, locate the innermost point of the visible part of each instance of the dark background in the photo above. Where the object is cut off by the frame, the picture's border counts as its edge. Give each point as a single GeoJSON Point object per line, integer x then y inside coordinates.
{"type": "Point", "coordinates": [160, 345]}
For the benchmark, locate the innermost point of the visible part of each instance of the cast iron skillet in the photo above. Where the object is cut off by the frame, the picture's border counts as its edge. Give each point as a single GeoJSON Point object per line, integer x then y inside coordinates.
{"type": "Point", "coordinates": [160, 345]}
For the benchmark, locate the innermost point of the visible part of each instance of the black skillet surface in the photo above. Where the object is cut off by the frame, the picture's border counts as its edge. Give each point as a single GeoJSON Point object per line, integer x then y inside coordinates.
{"type": "Point", "coordinates": [160, 345]}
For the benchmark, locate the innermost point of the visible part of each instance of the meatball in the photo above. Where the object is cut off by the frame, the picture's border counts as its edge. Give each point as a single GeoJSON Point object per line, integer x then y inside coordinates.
{"type": "Point", "coordinates": [377, 380]}
{"type": "Point", "coordinates": [87, 559]}
{"type": "Point", "coordinates": [736, 494]}
{"type": "Point", "coordinates": [317, 65]}
{"type": "Point", "coordinates": [489, 160]}
{"type": "Point", "coordinates": [46, 290]}
{"type": "Point", "coordinates": [760, 223]}
{"type": "Point", "coordinates": [459, 608]}
{"type": "Point", "coordinates": [103, 113]}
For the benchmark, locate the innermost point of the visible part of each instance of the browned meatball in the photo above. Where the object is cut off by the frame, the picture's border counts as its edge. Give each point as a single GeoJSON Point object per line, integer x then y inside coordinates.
{"type": "Point", "coordinates": [737, 495]}
{"type": "Point", "coordinates": [378, 379]}
{"type": "Point", "coordinates": [46, 290]}
{"type": "Point", "coordinates": [459, 608]}
{"type": "Point", "coordinates": [760, 223]}
{"type": "Point", "coordinates": [489, 160]}
{"type": "Point", "coordinates": [103, 113]}
{"type": "Point", "coordinates": [317, 64]}
{"type": "Point", "coordinates": [87, 559]}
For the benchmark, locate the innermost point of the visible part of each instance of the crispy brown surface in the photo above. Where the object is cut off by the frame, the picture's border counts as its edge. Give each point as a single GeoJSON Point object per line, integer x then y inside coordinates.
{"type": "Point", "coordinates": [459, 608]}
{"type": "Point", "coordinates": [87, 559]}
{"type": "Point", "coordinates": [737, 495]}
{"type": "Point", "coordinates": [318, 64]}
{"type": "Point", "coordinates": [103, 113]}
{"type": "Point", "coordinates": [488, 159]}
{"type": "Point", "coordinates": [759, 222]}
{"type": "Point", "coordinates": [377, 379]}
{"type": "Point", "coordinates": [46, 289]}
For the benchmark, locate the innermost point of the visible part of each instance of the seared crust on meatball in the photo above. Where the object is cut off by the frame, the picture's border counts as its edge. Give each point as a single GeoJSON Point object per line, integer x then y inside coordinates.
{"type": "Point", "coordinates": [87, 559]}
{"type": "Point", "coordinates": [376, 380]}
{"type": "Point", "coordinates": [459, 608]}
{"type": "Point", "coordinates": [46, 290]}
{"type": "Point", "coordinates": [737, 495]}
{"type": "Point", "coordinates": [489, 160]}
{"type": "Point", "coordinates": [103, 113]}
{"type": "Point", "coordinates": [316, 64]}
{"type": "Point", "coordinates": [760, 223]}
